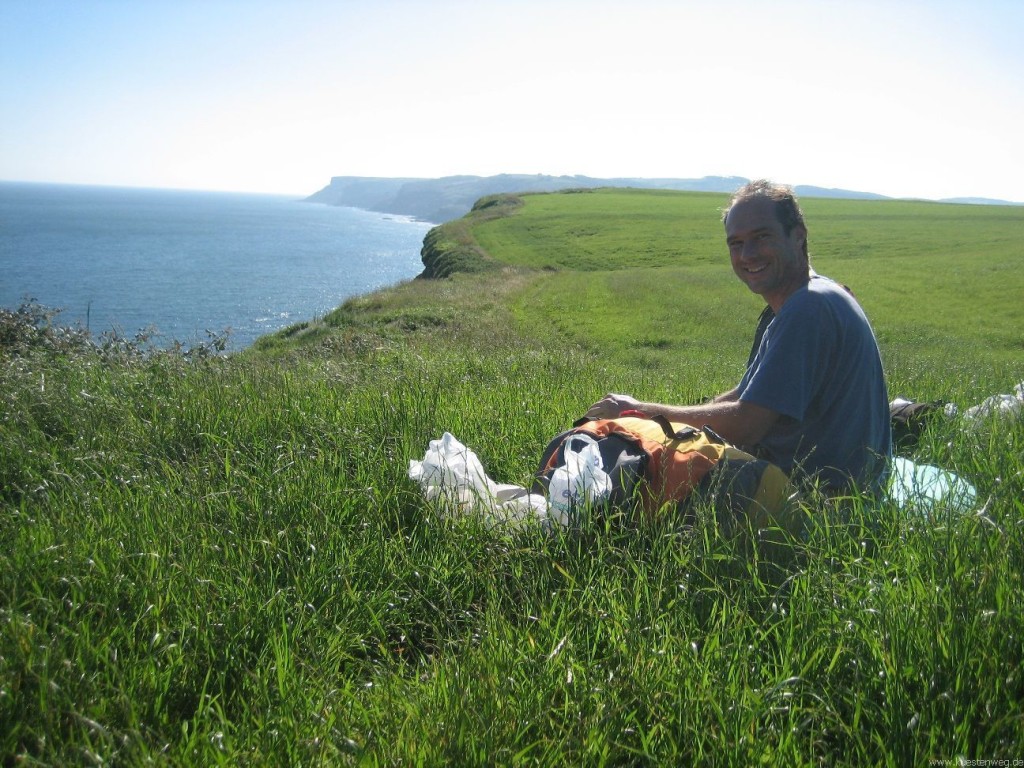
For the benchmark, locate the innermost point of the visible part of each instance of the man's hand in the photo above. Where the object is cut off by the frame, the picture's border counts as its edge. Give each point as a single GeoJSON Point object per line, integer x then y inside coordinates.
{"type": "Point", "coordinates": [611, 406]}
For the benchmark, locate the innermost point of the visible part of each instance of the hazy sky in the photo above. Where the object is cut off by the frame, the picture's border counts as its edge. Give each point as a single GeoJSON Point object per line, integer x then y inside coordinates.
{"type": "Point", "coordinates": [909, 98]}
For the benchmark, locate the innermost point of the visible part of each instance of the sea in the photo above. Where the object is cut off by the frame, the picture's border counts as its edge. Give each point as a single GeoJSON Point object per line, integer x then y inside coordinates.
{"type": "Point", "coordinates": [188, 266]}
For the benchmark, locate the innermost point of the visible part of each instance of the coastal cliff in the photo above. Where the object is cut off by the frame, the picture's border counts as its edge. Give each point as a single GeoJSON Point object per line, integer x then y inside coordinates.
{"type": "Point", "coordinates": [451, 247]}
{"type": "Point", "coordinates": [449, 197]}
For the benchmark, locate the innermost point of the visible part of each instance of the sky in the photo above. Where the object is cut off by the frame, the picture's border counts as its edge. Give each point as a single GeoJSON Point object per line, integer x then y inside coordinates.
{"type": "Point", "coordinates": [906, 98]}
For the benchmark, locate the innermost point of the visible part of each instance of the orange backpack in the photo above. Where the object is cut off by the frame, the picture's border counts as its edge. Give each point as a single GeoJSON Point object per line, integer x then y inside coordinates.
{"type": "Point", "coordinates": [664, 466]}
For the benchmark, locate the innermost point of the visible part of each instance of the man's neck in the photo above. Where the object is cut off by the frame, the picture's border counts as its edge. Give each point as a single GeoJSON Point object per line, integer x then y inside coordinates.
{"type": "Point", "coordinates": [777, 300]}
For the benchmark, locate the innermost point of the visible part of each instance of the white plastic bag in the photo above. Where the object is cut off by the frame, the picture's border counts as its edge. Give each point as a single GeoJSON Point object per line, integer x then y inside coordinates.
{"type": "Point", "coordinates": [581, 479]}
{"type": "Point", "coordinates": [451, 469]}
{"type": "Point", "coordinates": [453, 473]}
{"type": "Point", "coordinates": [1001, 407]}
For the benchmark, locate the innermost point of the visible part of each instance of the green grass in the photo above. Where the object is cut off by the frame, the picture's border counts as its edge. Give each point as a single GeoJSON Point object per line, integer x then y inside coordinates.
{"type": "Point", "coordinates": [210, 560]}
{"type": "Point", "coordinates": [926, 273]}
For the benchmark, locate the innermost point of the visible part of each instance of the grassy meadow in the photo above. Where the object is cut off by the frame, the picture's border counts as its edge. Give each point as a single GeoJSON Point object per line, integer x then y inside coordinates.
{"type": "Point", "coordinates": [210, 560]}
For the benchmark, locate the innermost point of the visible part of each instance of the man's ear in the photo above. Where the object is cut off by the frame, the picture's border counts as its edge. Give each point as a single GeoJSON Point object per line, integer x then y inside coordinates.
{"type": "Point", "coordinates": [799, 236]}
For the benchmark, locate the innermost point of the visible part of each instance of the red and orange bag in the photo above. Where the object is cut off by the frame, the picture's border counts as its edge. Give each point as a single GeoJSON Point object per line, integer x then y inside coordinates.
{"type": "Point", "coordinates": [663, 467]}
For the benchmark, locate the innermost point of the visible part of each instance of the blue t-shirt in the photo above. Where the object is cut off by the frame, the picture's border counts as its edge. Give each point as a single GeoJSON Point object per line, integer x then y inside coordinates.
{"type": "Point", "coordinates": [819, 368]}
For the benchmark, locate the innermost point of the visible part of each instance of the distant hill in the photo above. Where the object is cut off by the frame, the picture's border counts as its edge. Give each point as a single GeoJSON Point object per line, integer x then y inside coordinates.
{"type": "Point", "coordinates": [439, 200]}
{"type": "Point", "coordinates": [976, 201]}
{"type": "Point", "coordinates": [451, 197]}
{"type": "Point", "coordinates": [803, 190]}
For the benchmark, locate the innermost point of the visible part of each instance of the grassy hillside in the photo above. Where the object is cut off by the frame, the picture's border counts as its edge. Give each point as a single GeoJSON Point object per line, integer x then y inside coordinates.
{"type": "Point", "coordinates": [210, 560]}
{"type": "Point", "coordinates": [928, 274]}
{"type": "Point", "coordinates": [641, 278]}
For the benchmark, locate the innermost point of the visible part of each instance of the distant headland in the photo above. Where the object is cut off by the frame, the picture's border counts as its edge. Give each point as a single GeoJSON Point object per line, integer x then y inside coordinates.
{"type": "Point", "coordinates": [450, 197]}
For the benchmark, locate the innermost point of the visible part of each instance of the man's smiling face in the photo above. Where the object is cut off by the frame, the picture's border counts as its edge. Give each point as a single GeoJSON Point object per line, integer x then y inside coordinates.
{"type": "Point", "coordinates": [770, 262]}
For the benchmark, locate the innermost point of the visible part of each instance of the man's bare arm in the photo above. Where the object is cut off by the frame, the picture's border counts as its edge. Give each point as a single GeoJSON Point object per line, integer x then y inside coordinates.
{"type": "Point", "coordinates": [727, 397]}
{"type": "Point", "coordinates": [739, 422]}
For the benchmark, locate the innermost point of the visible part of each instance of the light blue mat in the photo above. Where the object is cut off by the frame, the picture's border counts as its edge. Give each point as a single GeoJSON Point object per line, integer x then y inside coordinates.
{"type": "Point", "coordinates": [923, 487]}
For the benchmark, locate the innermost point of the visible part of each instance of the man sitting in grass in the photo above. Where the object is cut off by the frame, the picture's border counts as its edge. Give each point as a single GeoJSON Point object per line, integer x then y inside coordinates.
{"type": "Point", "coordinates": [813, 399]}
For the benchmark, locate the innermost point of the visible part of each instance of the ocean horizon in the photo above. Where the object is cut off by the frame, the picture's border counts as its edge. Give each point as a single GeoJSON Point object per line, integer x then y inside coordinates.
{"type": "Point", "coordinates": [187, 265]}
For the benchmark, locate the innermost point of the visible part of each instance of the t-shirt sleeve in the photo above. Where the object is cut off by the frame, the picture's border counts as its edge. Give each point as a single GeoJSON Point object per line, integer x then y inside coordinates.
{"type": "Point", "coordinates": [793, 360]}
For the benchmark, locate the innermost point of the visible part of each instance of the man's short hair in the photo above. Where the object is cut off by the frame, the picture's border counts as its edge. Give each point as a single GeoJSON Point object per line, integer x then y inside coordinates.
{"type": "Point", "coordinates": [787, 209]}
